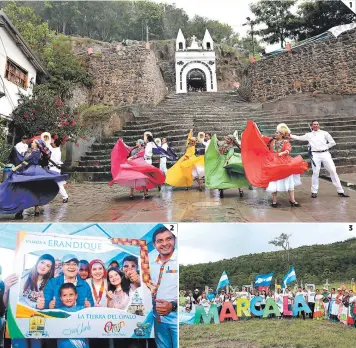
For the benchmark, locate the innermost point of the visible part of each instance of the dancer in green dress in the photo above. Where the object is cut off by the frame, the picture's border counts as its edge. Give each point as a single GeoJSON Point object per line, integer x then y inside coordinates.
{"type": "Point", "coordinates": [223, 166]}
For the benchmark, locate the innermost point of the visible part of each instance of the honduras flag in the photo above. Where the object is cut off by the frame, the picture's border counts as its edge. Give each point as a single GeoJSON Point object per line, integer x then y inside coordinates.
{"type": "Point", "coordinates": [289, 277]}
{"type": "Point", "coordinates": [224, 280]}
{"type": "Point", "coordinates": [263, 279]}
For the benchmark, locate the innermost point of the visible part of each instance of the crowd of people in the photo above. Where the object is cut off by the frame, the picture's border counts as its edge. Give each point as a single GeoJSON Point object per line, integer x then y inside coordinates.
{"type": "Point", "coordinates": [336, 305]}
{"type": "Point", "coordinates": [254, 161]}
{"type": "Point", "coordinates": [71, 285]}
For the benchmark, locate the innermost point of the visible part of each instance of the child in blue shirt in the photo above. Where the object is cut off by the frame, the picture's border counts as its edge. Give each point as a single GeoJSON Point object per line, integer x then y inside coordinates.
{"type": "Point", "coordinates": [68, 295]}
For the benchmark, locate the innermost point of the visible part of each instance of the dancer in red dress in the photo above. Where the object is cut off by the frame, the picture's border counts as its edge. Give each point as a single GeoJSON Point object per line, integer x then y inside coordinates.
{"type": "Point", "coordinates": [270, 166]}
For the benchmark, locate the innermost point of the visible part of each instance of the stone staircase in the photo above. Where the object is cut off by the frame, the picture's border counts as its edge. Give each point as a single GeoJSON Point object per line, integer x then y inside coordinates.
{"type": "Point", "coordinates": [220, 114]}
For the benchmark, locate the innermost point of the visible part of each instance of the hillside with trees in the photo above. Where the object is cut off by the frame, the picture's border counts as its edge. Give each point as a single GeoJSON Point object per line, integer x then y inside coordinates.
{"type": "Point", "coordinates": [313, 264]}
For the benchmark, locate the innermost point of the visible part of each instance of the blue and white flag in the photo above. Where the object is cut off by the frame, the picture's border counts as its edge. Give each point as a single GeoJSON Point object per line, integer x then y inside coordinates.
{"type": "Point", "coordinates": [289, 277]}
{"type": "Point", "coordinates": [224, 280]}
{"type": "Point", "coordinates": [263, 279]}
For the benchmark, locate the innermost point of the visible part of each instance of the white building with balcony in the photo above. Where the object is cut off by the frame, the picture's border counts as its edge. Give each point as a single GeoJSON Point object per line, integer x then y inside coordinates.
{"type": "Point", "coordinates": [18, 67]}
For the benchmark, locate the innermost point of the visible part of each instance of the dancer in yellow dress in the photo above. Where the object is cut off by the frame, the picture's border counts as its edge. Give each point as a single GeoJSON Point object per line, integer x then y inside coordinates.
{"type": "Point", "coordinates": [187, 168]}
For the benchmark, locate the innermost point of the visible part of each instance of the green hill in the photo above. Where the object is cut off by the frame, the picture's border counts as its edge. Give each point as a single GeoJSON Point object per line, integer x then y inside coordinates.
{"type": "Point", "coordinates": [313, 264]}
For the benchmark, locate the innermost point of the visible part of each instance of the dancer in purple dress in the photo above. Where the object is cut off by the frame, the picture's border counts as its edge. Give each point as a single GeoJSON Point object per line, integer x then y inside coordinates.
{"type": "Point", "coordinates": [29, 185]}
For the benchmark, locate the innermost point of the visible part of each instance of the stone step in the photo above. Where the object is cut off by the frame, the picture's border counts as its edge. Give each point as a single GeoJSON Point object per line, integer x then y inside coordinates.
{"type": "Point", "coordinates": [106, 177]}
{"type": "Point", "coordinates": [213, 126]}
{"type": "Point", "coordinates": [176, 140]}
{"type": "Point", "coordinates": [106, 160]}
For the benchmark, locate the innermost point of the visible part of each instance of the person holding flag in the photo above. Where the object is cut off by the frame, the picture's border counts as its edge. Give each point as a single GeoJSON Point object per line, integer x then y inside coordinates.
{"type": "Point", "coordinates": [263, 281]}
{"type": "Point", "coordinates": [289, 278]}
{"type": "Point", "coordinates": [224, 281]}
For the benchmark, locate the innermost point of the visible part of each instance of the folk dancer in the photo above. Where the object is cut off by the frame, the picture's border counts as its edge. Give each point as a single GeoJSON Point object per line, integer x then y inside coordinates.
{"type": "Point", "coordinates": [279, 144]}
{"type": "Point", "coordinates": [320, 143]}
{"type": "Point", "coordinates": [226, 148]}
{"type": "Point", "coordinates": [55, 165]}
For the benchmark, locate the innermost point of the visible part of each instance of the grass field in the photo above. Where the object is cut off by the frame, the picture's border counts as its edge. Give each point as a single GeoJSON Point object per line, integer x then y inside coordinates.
{"type": "Point", "coordinates": [259, 333]}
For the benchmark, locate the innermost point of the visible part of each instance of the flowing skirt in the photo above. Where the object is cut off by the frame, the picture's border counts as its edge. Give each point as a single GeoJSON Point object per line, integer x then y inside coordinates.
{"type": "Point", "coordinates": [28, 188]}
{"type": "Point", "coordinates": [284, 185]}
{"type": "Point", "coordinates": [263, 166]}
{"type": "Point", "coordinates": [318, 310]}
{"type": "Point", "coordinates": [138, 174]}
{"type": "Point", "coordinates": [185, 171]}
{"type": "Point", "coordinates": [222, 175]}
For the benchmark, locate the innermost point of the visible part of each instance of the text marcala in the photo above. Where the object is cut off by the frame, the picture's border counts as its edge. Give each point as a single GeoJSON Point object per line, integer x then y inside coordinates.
{"type": "Point", "coordinates": [245, 307]}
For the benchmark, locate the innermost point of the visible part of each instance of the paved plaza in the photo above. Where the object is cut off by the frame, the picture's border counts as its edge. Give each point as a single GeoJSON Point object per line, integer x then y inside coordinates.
{"type": "Point", "coordinates": [101, 203]}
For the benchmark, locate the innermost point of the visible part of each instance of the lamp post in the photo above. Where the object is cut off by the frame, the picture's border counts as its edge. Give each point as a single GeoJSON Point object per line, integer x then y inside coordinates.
{"type": "Point", "coordinates": [249, 22]}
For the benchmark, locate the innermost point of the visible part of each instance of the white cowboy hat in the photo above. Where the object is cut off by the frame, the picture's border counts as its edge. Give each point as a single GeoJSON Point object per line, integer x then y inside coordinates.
{"type": "Point", "coordinates": [283, 128]}
{"type": "Point", "coordinates": [158, 141]}
{"type": "Point", "coordinates": [48, 135]}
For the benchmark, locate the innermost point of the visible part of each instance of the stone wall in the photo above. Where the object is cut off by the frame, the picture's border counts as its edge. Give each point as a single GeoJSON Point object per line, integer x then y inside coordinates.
{"type": "Point", "coordinates": [128, 76]}
{"type": "Point", "coordinates": [229, 69]}
{"type": "Point", "coordinates": [326, 66]}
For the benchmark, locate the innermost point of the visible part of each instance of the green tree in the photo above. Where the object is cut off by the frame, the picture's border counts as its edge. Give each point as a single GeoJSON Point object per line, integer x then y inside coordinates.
{"type": "Point", "coordinates": [282, 241]}
{"type": "Point", "coordinates": [219, 32]}
{"type": "Point", "coordinates": [36, 33]}
{"type": "Point", "coordinates": [55, 51]}
{"type": "Point", "coordinates": [4, 147]}
{"type": "Point", "coordinates": [277, 17]}
{"type": "Point", "coordinates": [246, 43]}
{"type": "Point", "coordinates": [316, 17]}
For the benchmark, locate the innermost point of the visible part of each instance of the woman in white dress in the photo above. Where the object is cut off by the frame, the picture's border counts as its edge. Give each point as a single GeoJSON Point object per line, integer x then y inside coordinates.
{"type": "Point", "coordinates": [97, 282]}
{"type": "Point", "coordinates": [283, 147]}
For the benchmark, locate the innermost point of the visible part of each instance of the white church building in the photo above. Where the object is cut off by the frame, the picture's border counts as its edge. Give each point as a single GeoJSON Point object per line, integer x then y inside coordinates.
{"type": "Point", "coordinates": [195, 65]}
{"type": "Point", "coordinates": [18, 67]}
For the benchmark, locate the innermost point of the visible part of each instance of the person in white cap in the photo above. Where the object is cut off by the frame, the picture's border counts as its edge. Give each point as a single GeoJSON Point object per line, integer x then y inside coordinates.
{"type": "Point", "coordinates": [70, 274]}
{"type": "Point", "coordinates": [320, 142]}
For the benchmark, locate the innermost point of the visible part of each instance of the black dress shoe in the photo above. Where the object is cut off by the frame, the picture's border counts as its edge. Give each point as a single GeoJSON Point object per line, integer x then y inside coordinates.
{"type": "Point", "coordinates": [343, 195]}
{"type": "Point", "coordinates": [65, 200]}
{"type": "Point", "coordinates": [18, 216]}
{"type": "Point", "coordinates": [314, 195]}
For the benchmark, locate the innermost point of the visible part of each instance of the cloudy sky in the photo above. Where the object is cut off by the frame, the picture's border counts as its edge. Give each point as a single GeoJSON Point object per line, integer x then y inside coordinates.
{"type": "Point", "coordinates": [200, 243]}
{"type": "Point", "coordinates": [232, 12]}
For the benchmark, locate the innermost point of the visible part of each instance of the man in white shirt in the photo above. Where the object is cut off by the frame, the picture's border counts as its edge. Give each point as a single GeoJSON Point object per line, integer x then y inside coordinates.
{"type": "Point", "coordinates": [163, 159]}
{"type": "Point", "coordinates": [164, 288]}
{"type": "Point", "coordinates": [320, 142]}
{"type": "Point", "coordinates": [22, 146]}
{"type": "Point", "coordinates": [56, 157]}
{"type": "Point", "coordinates": [311, 301]}
{"type": "Point", "coordinates": [207, 140]}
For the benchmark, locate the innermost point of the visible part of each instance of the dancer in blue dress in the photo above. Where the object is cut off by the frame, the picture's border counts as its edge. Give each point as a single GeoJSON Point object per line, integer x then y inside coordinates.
{"type": "Point", "coordinates": [29, 185]}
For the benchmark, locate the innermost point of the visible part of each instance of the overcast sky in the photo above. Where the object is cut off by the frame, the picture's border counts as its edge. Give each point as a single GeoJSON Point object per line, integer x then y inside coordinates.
{"type": "Point", "coordinates": [232, 12]}
{"type": "Point", "coordinates": [200, 243]}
